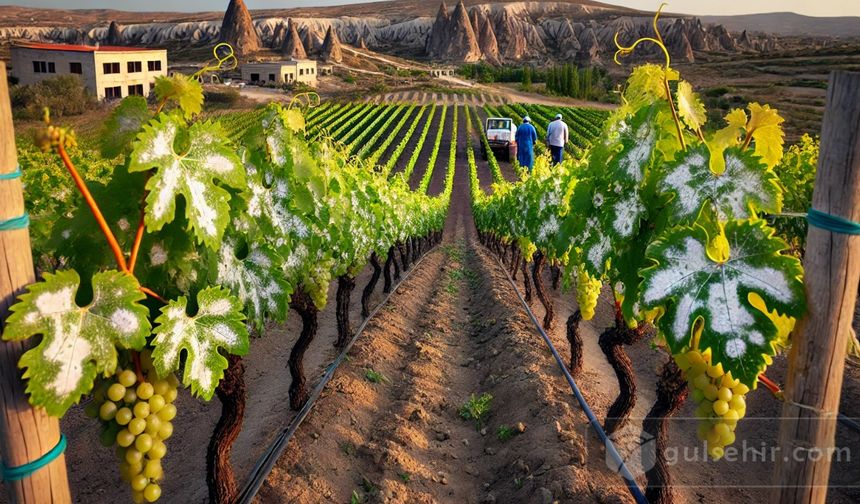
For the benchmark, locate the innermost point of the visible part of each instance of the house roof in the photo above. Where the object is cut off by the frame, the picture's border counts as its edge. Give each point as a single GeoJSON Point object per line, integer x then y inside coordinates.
{"type": "Point", "coordinates": [82, 48]}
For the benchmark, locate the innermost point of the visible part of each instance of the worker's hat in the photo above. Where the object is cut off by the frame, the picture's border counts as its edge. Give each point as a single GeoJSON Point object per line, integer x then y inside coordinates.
{"type": "Point", "coordinates": [558, 116]}
{"type": "Point", "coordinates": [527, 119]}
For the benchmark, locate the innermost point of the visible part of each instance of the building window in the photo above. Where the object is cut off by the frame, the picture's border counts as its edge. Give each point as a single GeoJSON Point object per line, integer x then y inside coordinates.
{"type": "Point", "coordinates": [113, 92]}
{"type": "Point", "coordinates": [288, 77]}
{"type": "Point", "coordinates": [153, 66]}
{"type": "Point", "coordinates": [135, 89]}
{"type": "Point", "coordinates": [255, 77]}
{"type": "Point", "coordinates": [75, 67]}
{"type": "Point", "coordinates": [135, 66]}
{"type": "Point", "coordinates": [44, 67]}
{"type": "Point", "coordinates": [111, 68]}
{"type": "Point", "coordinates": [271, 77]}
{"type": "Point", "coordinates": [301, 71]}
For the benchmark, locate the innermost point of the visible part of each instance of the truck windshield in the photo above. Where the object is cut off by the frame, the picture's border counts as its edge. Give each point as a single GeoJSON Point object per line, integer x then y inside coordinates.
{"type": "Point", "coordinates": [498, 124]}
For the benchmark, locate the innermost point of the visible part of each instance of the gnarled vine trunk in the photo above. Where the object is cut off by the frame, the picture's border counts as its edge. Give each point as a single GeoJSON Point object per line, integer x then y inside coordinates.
{"type": "Point", "coordinates": [671, 393]}
{"type": "Point", "coordinates": [404, 257]}
{"type": "Point", "coordinates": [219, 470]}
{"type": "Point", "coordinates": [556, 276]}
{"type": "Point", "coordinates": [526, 281]}
{"type": "Point", "coordinates": [575, 340]}
{"type": "Point", "coordinates": [345, 285]}
{"type": "Point", "coordinates": [307, 310]}
{"type": "Point", "coordinates": [612, 342]}
{"type": "Point", "coordinates": [537, 276]}
{"type": "Point", "coordinates": [515, 262]}
{"type": "Point", "coordinates": [371, 285]}
{"type": "Point", "coordinates": [389, 263]}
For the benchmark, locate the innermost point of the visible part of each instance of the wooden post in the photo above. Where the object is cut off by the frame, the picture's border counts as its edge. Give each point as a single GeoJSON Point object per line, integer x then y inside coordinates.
{"type": "Point", "coordinates": [25, 433]}
{"type": "Point", "coordinates": [832, 271]}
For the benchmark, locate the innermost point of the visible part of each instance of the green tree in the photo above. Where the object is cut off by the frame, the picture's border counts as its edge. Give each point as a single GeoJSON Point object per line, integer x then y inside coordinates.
{"type": "Point", "coordinates": [527, 78]}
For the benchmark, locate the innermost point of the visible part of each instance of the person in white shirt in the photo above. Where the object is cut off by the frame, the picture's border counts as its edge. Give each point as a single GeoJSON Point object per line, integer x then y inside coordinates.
{"type": "Point", "coordinates": [557, 137]}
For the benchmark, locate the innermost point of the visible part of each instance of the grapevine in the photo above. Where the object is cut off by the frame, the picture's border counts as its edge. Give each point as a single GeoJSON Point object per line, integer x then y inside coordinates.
{"type": "Point", "coordinates": [222, 225]}
{"type": "Point", "coordinates": [693, 202]}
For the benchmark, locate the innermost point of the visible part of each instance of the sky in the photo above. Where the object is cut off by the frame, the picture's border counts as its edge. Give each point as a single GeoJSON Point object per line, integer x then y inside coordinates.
{"type": "Point", "coordinates": [697, 7]}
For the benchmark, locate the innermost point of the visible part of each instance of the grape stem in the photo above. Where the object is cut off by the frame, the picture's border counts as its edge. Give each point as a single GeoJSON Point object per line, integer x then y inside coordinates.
{"type": "Point", "coordinates": [771, 386]}
{"type": "Point", "coordinates": [103, 225]}
{"type": "Point", "coordinates": [135, 357]}
{"type": "Point", "coordinates": [94, 208]}
{"type": "Point", "coordinates": [141, 226]}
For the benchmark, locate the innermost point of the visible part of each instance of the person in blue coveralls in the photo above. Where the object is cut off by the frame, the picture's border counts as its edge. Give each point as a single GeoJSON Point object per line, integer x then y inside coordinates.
{"type": "Point", "coordinates": [557, 138]}
{"type": "Point", "coordinates": [526, 138]}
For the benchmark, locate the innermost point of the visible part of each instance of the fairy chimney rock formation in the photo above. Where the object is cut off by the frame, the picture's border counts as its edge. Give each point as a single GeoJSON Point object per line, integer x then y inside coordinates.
{"type": "Point", "coordinates": [114, 36]}
{"type": "Point", "coordinates": [486, 36]}
{"type": "Point", "coordinates": [292, 46]}
{"type": "Point", "coordinates": [238, 29]}
{"type": "Point", "coordinates": [331, 51]}
{"type": "Point", "coordinates": [452, 38]}
{"type": "Point", "coordinates": [437, 39]}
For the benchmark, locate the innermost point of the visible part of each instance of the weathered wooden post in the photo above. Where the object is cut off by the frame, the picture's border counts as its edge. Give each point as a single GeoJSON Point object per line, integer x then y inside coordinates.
{"type": "Point", "coordinates": [26, 433]}
{"type": "Point", "coordinates": [832, 270]}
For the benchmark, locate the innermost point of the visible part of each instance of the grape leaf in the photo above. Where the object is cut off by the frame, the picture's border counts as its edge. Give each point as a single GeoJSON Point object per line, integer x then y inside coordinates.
{"type": "Point", "coordinates": [123, 125]}
{"type": "Point", "coordinates": [726, 137]}
{"type": "Point", "coordinates": [186, 92]}
{"type": "Point", "coordinates": [257, 280]}
{"type": "Point", "coordinates": [77, 342]}
{"type": "Point", "coordinates": [765, 127]}
{"type": "Point", "coordinates": [745, 186]}
{"type": "Point", "coordinates": [190, 174]}
{"type": "Point", "coordinates": [217, 324]}
{"type": "Point", "coordinates": [690, 108]}
{"type": "Point", "coordinates": [690, 286]}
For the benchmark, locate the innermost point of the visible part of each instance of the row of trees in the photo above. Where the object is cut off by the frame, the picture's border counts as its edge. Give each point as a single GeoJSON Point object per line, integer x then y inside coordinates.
{"type": "Point", "coordinates": [587, 83]}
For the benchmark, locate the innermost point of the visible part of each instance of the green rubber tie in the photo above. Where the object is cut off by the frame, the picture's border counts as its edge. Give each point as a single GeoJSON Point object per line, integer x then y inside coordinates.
{"type": "Point", "coordinates": [23, 471]}
{"type": "Point", "coordinates": [832, 223]}
{"type": "Point", "coordinates": [22, 221]}
{"type": "Point", "coordinates": [11, 175]}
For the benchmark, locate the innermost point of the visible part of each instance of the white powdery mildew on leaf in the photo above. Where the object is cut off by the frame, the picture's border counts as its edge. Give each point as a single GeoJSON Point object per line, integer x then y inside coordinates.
{"type": "Point", "coordinates": [69, 353]}
{"type": "Point", "coordinates": [634, 160]}
{"type": "Point", "coordinates": [202, 212]}
{"type": "Point", "coordinates": [218, 307]}
{"type": "Point", "coordinates": [124, 321]}
{"type": "Point", "coordinates": [731, 192]}
{"type": "Point", "coordinates": [681, 181]}
{"type": "Point", "coordinates": [60, 301]}
{"type": "Point", "coordinates": [161, 145]}
{"type": "Point", "coordinates": [225, 334]}
{"type": "Point", "coordinates": [166, 191]}
{"type": "Point", "coordinates": [157, 255]}
{"type": "Point", "coordinates": [627, 214]}
{"type": "Point", "coordinates": [597, 254]}
{"type": "Point", "coordinates": [123, 224]}
{"type": "Point", "coordinates": [219, 163]}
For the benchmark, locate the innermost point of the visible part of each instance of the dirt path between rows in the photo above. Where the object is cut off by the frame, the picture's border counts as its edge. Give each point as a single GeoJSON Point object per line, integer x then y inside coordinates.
{"type": "Point", "coordinates": [389, 429]}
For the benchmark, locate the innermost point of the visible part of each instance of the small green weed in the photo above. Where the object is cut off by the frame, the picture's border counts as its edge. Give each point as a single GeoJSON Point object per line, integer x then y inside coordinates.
{"type": "Point", "coordinates": [477, 409]}
{"type": "Point", "coordinates": [347, 448]}
{"type": "Point", "coordinates": [355, 498]}
{"type": "Point", "coordinates": [368, 486]}
{"type": "Point", "coordinates": [506, 432]}
{"type": "Point", "coordinates": [374, 376]}
{"type": "Point", "coordinates": [405, 477]}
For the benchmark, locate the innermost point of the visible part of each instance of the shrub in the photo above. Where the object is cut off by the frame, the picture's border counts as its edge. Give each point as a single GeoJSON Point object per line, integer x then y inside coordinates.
{"type": "Point", "coordinates": [227, 97]}
{"type": "Point", "coordinates": [65, 95]}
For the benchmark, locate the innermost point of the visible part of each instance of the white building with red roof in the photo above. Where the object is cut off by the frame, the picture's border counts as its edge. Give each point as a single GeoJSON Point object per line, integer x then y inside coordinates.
{"type": "Point", "coordinates": [107, 71]}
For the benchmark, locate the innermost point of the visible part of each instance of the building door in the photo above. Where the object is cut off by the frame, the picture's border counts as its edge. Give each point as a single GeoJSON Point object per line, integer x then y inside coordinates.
{"type": "Point", "coordinates": [271, 77]}
{"type": "Point", "coordinates": [255, 77]}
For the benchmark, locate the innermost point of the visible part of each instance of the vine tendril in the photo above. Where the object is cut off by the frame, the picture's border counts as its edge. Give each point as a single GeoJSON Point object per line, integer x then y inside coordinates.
{"type": "Point", "coordinates": [221, 61]}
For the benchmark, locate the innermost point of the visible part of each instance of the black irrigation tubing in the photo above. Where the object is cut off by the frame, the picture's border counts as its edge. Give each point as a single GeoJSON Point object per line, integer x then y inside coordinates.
{"type": "Point", "coordinates": [267, 461]}
{"type": "Point", "coordinates": [629, 480]}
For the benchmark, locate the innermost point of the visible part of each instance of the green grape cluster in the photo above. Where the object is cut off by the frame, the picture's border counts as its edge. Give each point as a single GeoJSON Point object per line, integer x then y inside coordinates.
{"type": "Point", "coordinates": [136, 413]}
{"type": "Point", "coordinates": [587, 292]}
{"type": "Point", "coordinates": [719, 399]}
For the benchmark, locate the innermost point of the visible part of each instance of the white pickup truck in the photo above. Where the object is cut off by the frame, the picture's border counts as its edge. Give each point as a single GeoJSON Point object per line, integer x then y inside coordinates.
{"type": "Point", "coordinates": [501, 135]}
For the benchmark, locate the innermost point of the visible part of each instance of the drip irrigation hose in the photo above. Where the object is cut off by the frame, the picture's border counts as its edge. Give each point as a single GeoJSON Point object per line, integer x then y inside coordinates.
{"type": "Point", "coordinates": [267, 460]}
{"type": "Point", "coordinates": [629, 480]}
